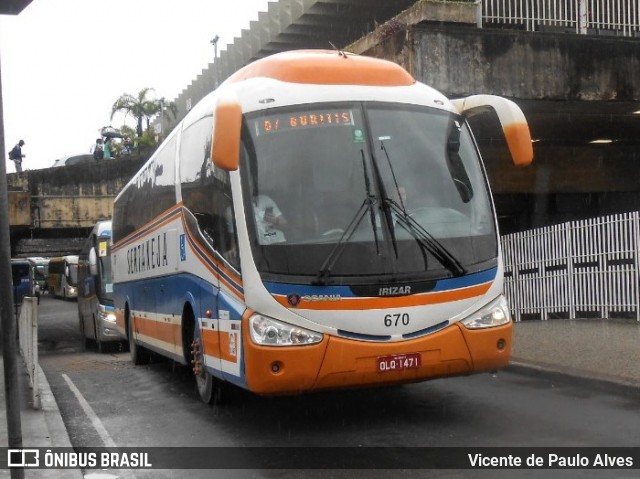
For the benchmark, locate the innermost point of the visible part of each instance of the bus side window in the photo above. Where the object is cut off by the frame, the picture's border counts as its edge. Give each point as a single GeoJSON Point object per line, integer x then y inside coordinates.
{"type": "Point", "coordinates": [206, 190]}
{"type": "Point", "coordinates": [217, 230]}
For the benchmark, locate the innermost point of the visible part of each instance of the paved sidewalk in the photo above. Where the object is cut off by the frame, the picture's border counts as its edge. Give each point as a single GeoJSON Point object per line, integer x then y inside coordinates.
{"type": "Point", "coordinates": [42, 427]}
{"type": "Point", "coordinates": [607, 351]}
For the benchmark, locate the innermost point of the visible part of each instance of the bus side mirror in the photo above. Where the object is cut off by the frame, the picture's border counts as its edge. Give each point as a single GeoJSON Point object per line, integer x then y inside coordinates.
{"type": "Point", "coordinates": [93, 262]}
{"type": "Point", "coordinates": [225, 152]}
{"type": "Point", "coordinates": [514, 124]}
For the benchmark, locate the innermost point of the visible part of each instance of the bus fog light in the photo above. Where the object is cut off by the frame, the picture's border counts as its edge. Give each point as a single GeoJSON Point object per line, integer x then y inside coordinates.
{"type": "Point", "coordinates": [501, 344]}
{"type": "Point", "coordinates": [269, 332]}
{"type": "Point", "coordinates": [276, 367]}
{"type": "Point", "coordinates": [494, 314]}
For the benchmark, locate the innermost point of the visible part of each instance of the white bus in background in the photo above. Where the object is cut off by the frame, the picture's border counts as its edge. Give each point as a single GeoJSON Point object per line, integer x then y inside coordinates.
{"type": "Point", "coordinates": [97, 320]}
{"type": "Point", "coordinates": [62, 279]}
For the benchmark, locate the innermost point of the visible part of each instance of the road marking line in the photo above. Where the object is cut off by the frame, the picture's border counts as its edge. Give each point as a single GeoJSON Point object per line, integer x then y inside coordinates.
{"type": "Point", "coordinates": [97, 423]}
{"type": "Point", "coordinates": [95, 420]}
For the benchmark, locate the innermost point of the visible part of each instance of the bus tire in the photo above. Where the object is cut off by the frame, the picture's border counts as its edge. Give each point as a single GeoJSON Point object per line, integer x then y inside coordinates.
{"type": "Point", "coordinates": [139, 355]}
{"type": "Point", "coordinates": [208, 388]}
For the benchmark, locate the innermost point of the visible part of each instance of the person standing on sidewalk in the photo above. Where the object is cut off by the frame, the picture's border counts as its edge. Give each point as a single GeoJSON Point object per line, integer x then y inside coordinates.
{"type": "Point", "coordinates": [16, 155]}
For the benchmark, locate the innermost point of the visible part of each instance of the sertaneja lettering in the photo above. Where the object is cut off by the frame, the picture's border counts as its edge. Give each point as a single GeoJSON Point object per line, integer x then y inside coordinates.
{"type": "Point", "coordinates": [150, 254]}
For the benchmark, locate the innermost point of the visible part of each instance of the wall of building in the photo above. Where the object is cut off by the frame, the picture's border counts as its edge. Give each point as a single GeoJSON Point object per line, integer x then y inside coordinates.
{"type": "Point", "coordinates": [565, 83]}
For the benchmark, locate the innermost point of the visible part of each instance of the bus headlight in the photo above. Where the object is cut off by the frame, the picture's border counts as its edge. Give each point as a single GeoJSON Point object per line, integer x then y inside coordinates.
{"type": "Point", "coordinates": [105, 316]}
{"type": "Point", "coordinates": [494, 314]}
{"type": "Point", "coordinates": [269, 332]}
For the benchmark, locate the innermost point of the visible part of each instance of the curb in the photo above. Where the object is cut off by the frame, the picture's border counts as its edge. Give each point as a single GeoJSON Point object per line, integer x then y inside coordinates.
{"type": "Point", "coordinates": [58, 434]}
{"type": "Point", "coordinates": [585, 379]}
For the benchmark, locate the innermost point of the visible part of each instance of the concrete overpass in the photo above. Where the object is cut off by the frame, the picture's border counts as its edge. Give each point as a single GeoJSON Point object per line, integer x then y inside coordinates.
{"type": "Point", "coordinates": [52, 211]}
{"type": "Point", "coordinates": [575, 89]}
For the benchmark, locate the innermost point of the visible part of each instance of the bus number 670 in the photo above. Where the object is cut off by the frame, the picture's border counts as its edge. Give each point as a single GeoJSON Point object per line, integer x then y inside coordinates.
{"type": "Point", "coordinates": [396, 319]}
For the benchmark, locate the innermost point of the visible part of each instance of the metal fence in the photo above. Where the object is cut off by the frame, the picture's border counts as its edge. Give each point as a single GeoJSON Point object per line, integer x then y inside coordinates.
{"type": "Point", "coordinates": [619, 17]}
{"type": "Point", "coordinates": [586, 268]}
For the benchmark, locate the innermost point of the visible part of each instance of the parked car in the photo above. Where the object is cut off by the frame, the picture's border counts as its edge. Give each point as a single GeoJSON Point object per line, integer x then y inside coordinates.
{"type": "Point", "coordinates": [74, 159]}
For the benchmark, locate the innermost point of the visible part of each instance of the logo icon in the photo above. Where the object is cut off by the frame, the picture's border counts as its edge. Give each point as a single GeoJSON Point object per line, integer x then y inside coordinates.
{"type": "Point", "coordinates": [293, 299]}
{"type": "Point", "coordinates": [183, 248]}
{"type": "Point", "coordinates": [23, 457]}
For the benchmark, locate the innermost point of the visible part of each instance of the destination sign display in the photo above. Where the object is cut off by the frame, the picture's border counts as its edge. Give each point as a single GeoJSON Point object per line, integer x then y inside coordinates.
{"type": "Point", "coordinates": [303, 120]}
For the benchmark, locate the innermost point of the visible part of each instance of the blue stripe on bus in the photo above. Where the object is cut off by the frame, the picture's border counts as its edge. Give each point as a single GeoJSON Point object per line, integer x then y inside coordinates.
{"type": "Point", "coordinates": [425, 331]}
{"type": "Point", "coordinates": [446, 284]}
{"type": "Point", "coordinates": [367, 337]}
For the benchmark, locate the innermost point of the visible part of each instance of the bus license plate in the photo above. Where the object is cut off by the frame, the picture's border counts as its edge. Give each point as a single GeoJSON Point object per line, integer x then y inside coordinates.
{"type": "Point", "coordinates": [398, 362]}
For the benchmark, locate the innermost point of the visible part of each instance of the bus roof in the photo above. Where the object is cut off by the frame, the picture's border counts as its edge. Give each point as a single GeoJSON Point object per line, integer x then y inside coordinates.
{"type": "Point", "coordinates": [325, 67]}
{"type": "Point", "coordinates": [103, 229]}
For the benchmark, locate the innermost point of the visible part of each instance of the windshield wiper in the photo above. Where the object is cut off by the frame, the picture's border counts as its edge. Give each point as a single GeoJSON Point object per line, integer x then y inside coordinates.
{"type": "Point", "coordinates": [336, 252]}
{"type": "Point", "coordinates": [421, 235]}
{"type": "Point", "coordinates": [426, 239]}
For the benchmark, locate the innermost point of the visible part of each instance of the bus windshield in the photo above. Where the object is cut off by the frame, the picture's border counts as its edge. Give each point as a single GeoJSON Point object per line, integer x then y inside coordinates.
{"type": "Point", "coordinates": [362, 192]}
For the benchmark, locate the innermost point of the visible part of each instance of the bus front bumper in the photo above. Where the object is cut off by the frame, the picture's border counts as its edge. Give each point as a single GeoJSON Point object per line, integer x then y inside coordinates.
{"type": "Point", "coordinates": [338, 362]}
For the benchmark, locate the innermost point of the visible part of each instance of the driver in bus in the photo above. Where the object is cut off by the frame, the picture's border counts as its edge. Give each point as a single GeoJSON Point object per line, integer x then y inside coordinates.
{"type": "Point", "coordinates": [269, 220]}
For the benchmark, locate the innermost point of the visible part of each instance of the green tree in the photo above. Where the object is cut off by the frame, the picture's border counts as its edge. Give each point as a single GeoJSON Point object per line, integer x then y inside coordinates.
{"type": "Point", "coordinates": [127, 131]}
{"type": "Point", "coordinates": [138, 106]}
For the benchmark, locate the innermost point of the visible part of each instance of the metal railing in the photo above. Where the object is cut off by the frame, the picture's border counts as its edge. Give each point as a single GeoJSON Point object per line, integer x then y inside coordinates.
{"type": "Point", "coordinates": [28, 334]}
{"type": "Point", "coordinates": [587, 268]}
{"type": "Point", "coordinates": [617, 17]}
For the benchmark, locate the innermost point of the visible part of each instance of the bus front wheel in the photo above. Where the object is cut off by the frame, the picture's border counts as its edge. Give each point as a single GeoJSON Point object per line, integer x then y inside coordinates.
{"type": "Point", "coordinates": [204, 380]}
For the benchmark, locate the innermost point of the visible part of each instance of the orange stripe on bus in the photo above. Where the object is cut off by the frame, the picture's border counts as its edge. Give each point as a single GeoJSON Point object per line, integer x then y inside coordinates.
{"type": "Point", "coordinates": [167, 332]}
{"type": "Point", "coordinates": [389, 301]}
{"type": "Point", "coordinates": [211, 342]}
{"type": "Point", "coordinates": [144, 326]}
{"type": "Point", "coordinates": [225, 346]}
{"type": "Point", "coordinates": [218, 345]}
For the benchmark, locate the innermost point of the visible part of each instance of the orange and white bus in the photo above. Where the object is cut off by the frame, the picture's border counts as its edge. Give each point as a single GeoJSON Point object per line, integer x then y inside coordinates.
{"type": "Point", "coordinates": [321, 220]}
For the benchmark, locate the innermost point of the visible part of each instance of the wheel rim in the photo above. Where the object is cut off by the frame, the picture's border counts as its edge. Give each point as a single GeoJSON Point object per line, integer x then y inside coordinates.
{"type": "Point", "coordinates": [204, 380]}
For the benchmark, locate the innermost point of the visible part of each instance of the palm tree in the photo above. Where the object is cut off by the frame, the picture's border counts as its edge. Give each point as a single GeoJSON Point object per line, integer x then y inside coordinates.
{"type": "Point", "coordinates": [140, 107]}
